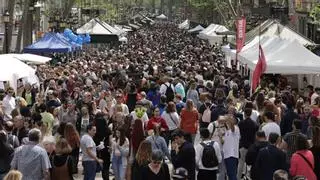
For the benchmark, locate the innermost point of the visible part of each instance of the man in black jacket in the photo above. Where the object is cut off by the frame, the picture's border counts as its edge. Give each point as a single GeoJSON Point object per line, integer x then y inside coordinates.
{"type": "Point", "coordinates": [261, 142]}
{"type": "Point", "coordinates": [270, 159]}
{"type": "Point", "coordinates": [183, 154]}
{"type": "Point", "coordinates": [287, 120]}
{"type": "Point", "coordinates": [248, 129]}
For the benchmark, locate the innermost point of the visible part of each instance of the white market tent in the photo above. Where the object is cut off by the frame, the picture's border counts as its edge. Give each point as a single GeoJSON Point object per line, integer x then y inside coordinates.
{"type": "Point", "coordinates": [274, 28]}
{"type": "Point", "coordinates": [184, 25]}
{"type": "Point", "coordinates": [31, 58]}
{"type": "Point", "coordinates": [96, 27]}
{"type": "Point", "coordinates": [282, 56]}
{"type": "Point", "coordinates": [13, 69]}
{"type": "Point", "coordinates": [196, 29]}
{"type": "Point", "coordinates": [162, 16]}
{"type": "Point", "coordinates": [210, 33]}
{"type": "Point", "coordinates": [110, 28]}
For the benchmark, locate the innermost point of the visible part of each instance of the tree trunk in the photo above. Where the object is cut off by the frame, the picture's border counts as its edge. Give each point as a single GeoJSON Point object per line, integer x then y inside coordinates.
{"type": "Point", "coordinates": [67, 10]}
{"type": "Point", "coordinates": [27, 24]}
{"type": "Point", "coordinates": [9, 30]}
{"type": "Point", "coordinates": [153, 4]}
{"type": "Point", "coordinates": [20, 30]}
{"type": "Point", "coordinates": [170, 4]}
{"type": "Point", "coordinates": [161, 6]}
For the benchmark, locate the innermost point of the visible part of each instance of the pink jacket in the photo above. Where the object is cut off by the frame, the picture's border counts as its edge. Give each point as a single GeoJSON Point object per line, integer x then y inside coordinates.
{"type": "Point", "coordinates": [300, 167]}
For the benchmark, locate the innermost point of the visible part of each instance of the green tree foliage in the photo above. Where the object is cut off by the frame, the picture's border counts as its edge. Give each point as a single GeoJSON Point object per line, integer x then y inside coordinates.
{"type": "Point", "coordinates": [315, 14]}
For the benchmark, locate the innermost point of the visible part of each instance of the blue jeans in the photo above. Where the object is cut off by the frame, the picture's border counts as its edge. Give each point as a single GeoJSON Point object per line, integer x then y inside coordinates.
{"type": "Point", "coordinates": [232, 167]}
{"type": "Point", "coordinates": [118, 167]}
{"type": "Point", "coordinates": [89, 169]}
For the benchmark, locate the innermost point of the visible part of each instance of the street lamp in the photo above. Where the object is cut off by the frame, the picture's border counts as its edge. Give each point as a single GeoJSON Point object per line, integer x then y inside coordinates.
{"type": "Point", "coordinates": [6, 20]}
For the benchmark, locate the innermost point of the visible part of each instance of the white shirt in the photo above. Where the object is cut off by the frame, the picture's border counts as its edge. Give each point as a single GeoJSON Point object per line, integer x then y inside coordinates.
{"type": "Point", "coordinates": [271, 127]}
{"type": "Point", "coordinates": [125, 109]}
{"type": "Point", "coordinates": [9, 103]}
{"type": "Point", "coordinates": [231, 143]}
{"type": "Point", "coordinates": [199, 151]}
{"type": "Point", "coordinates": [254, 115]}
{"type": "Point", "coordinates": [172, 121]}
{"type": "Point", "coordinates": [87, 142]}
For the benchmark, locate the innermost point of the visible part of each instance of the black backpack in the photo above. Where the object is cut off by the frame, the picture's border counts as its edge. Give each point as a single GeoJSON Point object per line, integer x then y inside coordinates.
{"type": "Point", "coordinates": [169, 93]}
{"type": "Point", "coordinates": [209, 157]}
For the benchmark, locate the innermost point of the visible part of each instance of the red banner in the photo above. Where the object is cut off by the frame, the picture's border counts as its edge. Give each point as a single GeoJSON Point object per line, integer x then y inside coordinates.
{"type": "Point", "coordinates": [241, 33]}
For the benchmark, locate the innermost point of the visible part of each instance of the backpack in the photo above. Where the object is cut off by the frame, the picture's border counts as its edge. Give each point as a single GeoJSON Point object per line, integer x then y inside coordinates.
{"type": "Point", "coordinates": [209, 157]}
{"type": "Point", "coordinates": [169, 93]}
{"type": "Point", "coordinates": [206, 116]}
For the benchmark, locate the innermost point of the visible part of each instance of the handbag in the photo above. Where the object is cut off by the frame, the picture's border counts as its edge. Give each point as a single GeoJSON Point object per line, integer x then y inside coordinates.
{"type": "Point", "coordinates": [306, 160]}
{"type": "Point", "coordinates": [175, 123]}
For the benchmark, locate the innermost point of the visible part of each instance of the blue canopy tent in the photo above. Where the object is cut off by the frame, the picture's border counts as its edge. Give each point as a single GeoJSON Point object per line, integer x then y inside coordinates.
{"type": "Point", "coordinates": [50, 43]}
{"type": "Point", "coordinates": [74, 45]}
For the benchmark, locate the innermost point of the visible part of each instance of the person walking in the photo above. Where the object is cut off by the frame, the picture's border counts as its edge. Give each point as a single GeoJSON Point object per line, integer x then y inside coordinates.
{"type": "Point", "coordinates": [6, 154]}
{"type": "Point", "coordinates": [231, 148]}
{"type": "Point", "coordinates": [172, 118]}
{"type": "Point", "coordinates": [183, 153]}
{"type": "Point", "coordinates": [302, 161]}
{"type": "Point", "coordinates": [270, 159]}
{"type": "Point", "coordinates": [156, 169]}
{"type": "Point", "coordinates": [208, 156]}
{"type": "Point", "coordinates": [189, 119]}
{"type": "Point", "coordinates": [248, 129]}
{"type": "Point", "coordinates": [31, 159]}
{"type": "Point", "coordinates": [158, 142]}
{"type": "Point", "coordinates": [289, 140]}
{"type": "Point", "coordinates": [120, 152]}
{"type": "Point", "coordinates": [62, 162]}
{"type": "Point", "coordinates": [89, 158]}
{"type": "Point", "coordinates": [251, 156]}
{"type": "Point", "coordinates": [143, 158]}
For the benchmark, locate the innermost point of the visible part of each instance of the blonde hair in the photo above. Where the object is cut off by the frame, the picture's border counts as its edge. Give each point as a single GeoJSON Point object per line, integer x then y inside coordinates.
{"type": "Point", "coordinates": [23, 102]}
{"type": "Point", "coordinates": [13, 175]}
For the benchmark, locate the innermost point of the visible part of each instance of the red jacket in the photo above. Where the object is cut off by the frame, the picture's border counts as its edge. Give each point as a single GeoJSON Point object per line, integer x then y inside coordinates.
{"type": "Point", "coordinates": [157, 120]}
{"type": "Point", "coordinates": [189, 121]}
{"type": "Point", "coordinates": [299, 166]}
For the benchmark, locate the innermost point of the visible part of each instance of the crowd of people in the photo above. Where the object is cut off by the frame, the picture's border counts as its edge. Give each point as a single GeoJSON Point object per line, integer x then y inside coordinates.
{"type": "Point", "coordinates": [165, 96]}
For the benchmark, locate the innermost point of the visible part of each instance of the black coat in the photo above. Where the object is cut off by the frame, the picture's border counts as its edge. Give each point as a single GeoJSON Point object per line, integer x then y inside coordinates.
{"type": "Point", "coordinates": [268, 161]}
{"type": "Point", "coordinates": [185, 158]}
{"type": "Point", "coordinates": [287, 120]}
{"type": "Point", "coordinates": [252, 154]}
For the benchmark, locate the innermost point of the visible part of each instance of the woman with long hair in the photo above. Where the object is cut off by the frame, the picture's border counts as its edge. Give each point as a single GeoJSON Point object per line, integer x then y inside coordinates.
{"type": "Point", "coordinates": [158, 142]}
{"type": "Point", "coordinates": [172, 119]}
{"type": "Point", "coordinates": [73, 139]}
{"type": "Point", "coordinates": [62, 166]}
{"type": "Point", "coordinates": [6, 154]}
{"type": "Point", "coordinates": [189, 119]}
{"type": "Point", "coordinates": [137, 136]}
{"type": "Point", "coordinates": [143, 158]}
{"type": "Point", "coordinates": [120, 152]}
